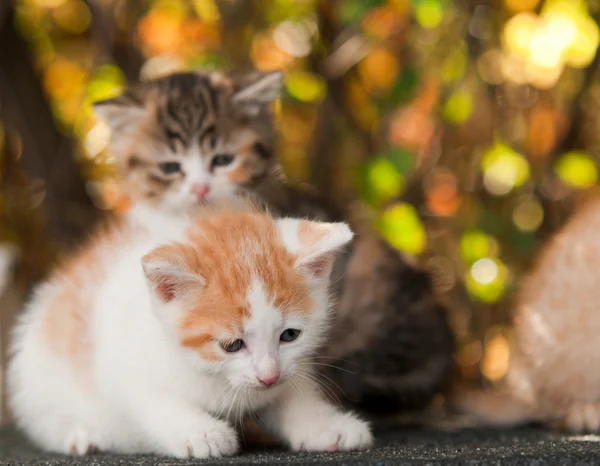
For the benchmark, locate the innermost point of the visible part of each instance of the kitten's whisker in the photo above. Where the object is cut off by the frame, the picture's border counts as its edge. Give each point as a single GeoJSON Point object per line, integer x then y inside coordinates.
{"type": "Point", "coordinates": [324, 386]}
{"type": "Point", "coordinates": [327, 365]}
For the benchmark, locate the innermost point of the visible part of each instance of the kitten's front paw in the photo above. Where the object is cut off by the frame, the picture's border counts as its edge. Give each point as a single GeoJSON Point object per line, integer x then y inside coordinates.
{"type": "Point", "coordinates": [336, 433]}
{"type": "Point", "coordinates": [214, 440]}
{"type": "Point", "coordinates": [78, 442]}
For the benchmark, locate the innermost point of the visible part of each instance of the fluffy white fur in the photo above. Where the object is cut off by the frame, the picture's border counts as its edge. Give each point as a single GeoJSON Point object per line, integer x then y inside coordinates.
{"type": "Point", "coordinates": [148, 394]}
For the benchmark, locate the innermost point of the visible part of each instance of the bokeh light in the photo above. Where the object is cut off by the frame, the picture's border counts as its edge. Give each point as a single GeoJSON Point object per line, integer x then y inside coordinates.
{"type": "Point", "coordinates": [402, 227]}
{"type": "Point", "coordinates": [496, 360]}
{"type": "Point", "coordinates": [577, 170]}
{"type": "Point", "coordinates": [504, 169]}
{"type": "Point", "coordinates": [487, 279]}
{"type": "Point", "coordinates": [563, 34]}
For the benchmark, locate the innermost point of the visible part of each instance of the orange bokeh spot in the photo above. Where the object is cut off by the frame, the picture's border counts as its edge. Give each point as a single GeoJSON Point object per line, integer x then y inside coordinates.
{"type": "Point", "coordinates": [266, 56]}
{"type": "Point", "coordinates": [542, 131]}
{"type": "Point", "coordinates": [381, 22]}
{"type": "Point", "coordinates": [442, 194]}
{"type": "Point", "coordinates": [160, 32]}
{"type": "Point", "coordinates": [411, 127]}
{"type": "Point", "coordinates": [196, 32]}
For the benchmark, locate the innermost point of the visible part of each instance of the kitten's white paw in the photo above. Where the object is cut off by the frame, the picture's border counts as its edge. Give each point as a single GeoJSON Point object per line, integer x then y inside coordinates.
{"type": "Point", "coordinates": [340, 432]}
{"type": "Point", "coordinates": [214, 440]}
{"type": "Point", "coordinates": [77, 442]}
{"type": "Point", "coordinates": [583, 418]}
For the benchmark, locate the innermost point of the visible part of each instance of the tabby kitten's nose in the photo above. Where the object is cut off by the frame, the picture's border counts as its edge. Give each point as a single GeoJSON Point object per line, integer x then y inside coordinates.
{"type": "Point", "coordinates": [200, 191]}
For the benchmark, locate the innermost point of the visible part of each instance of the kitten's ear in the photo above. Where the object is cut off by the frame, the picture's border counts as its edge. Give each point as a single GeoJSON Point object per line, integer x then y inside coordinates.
{"type": "Point", "coordinates": [120, 112]}
{"type": "Point", "coordinates": [314, 243]}
{"type": "Point", "coordinates": [256, 90]}
{"type": "Point", "coordinates": [168, 275]}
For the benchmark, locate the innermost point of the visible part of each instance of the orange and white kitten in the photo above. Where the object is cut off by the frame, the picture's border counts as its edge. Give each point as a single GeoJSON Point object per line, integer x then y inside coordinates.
{"type": "Point", "coordinates": [554, 374]}
{"type": "Point", "coordinates": [159, 340]}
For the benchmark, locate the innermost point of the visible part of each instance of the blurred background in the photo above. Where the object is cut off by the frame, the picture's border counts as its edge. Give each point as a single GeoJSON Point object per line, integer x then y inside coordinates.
{"type": "Point", "coordinates": [470, 130]}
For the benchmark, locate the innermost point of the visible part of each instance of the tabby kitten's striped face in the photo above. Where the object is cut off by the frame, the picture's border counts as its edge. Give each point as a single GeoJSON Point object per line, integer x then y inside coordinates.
{"type": "Point", "coordinates": [193, 137]}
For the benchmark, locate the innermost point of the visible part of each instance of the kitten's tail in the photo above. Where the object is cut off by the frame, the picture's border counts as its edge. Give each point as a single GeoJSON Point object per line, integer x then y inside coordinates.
{"type": "Point", "coordinates": [498, 408]}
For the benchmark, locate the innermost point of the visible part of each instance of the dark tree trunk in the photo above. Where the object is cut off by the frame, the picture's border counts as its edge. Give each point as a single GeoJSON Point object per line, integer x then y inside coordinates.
{"type": "Point", "coordinates": [35, 154]}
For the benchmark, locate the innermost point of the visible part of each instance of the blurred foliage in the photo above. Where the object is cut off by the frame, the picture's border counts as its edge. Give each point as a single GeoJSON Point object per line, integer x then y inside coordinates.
{"type": "Point", "coordinates": [469, 128]}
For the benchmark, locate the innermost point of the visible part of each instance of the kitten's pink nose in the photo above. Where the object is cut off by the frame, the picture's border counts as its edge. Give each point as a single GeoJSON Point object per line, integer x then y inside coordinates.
{"type": "Point", "coordinates": [269, 379]}
{"type": "Point", "coordinates": [200, 191]}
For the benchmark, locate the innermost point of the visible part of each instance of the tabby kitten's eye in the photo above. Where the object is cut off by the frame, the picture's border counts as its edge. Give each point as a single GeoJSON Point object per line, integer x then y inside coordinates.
{"type": "Point", "coordinates": [221, 160]}
{"type": "Point", "coordinates": [233, 347]}
{"type": "Point", "coordinates": [169, 168]}
{"type": "Point", "coordinates": [290, 334]}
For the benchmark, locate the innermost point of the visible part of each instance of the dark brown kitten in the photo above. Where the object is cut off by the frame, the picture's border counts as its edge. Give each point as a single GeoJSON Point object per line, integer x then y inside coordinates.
{"type": "Point", "coordinates": [197, 137]}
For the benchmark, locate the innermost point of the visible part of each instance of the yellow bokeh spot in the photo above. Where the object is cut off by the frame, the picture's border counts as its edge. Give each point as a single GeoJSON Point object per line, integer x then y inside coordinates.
{"type": "Point", "coordinates": [486, 281]}
{"type": "Point", "coordinates": [520, 5]}
{"type": "Point", "coordinates": [583, 48]}
{"type": "Point", "coordinates": [563, 34]}
{"type": "Point", "coordinates": [384, 179]}
{"type": "Point", "coordinates": [304, 86]}
{"type": "Point", "coordinates": [528, 215]}
{"type": "Point", "coordinates": [455, 65]}
{"type": "Point", "coordinates": [207, 10]}
{"type": "Point", "coordinates": [476, 244]}
{"type": "Point", "coordinates": [379, 70]}
{"type": "Point", "coordinates": [458, 107]}
{"type": "Point", "coordinates": [429, 13]}
{"type": "Point", "coordinates": [63, 79]}
{"type": "Point", "coordinates": [496, 358]}
{"type": "Point", "coordinates": [50, 3]}
{"type": "Point", "coordinates": [73, 17]}
{"type": "Point", "coordinates": [577, 170]}
{"type": "Point", "coordinates": [519, 31]}
{"type": "Point", "coordinates": [504, 169]}
{"type": "Point", "coordinates": [106, 82]}
{"type": "Point", "coordinates": [401, 226]}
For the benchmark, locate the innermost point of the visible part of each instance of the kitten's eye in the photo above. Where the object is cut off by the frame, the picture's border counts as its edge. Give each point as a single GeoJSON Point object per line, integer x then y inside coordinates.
{"type": "Point", "coordinates": [222, 160]}
{"type": "Point", "coordinates": [290, 334]}
{"type": "Point", "coordinates": [170, 167]}
{"type": "Point", "coordinates": [233, 347]}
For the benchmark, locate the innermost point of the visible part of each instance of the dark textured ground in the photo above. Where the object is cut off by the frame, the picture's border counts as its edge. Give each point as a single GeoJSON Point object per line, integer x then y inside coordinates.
{"type": "Point", "coordinates": [407, 446]}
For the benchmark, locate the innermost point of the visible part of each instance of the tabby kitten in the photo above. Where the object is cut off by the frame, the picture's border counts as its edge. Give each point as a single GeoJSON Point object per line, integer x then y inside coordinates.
{"type": "Point", "coordinates": [553, 377]}
{"type": "Point", "coordinates": [196, 137]}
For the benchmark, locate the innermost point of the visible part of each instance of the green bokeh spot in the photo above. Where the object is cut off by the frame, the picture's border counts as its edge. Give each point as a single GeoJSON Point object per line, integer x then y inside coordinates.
{"type": "Point", "coordinates": [429, 13]}
{"type": "Point", "coordinates": [501, 155]}
{"type": "Point", "coordinates": [106, 82]}
{"type": "Point", "coordinates": [306, 87]}
{"type": "Point", "coordinates": [577, 170]}
{"type": "Point", "coordinates": [458, 107]}
{"type": "Point", "coordinates": [488, 292]}
{"type": "Point", "coordinates": [401, 226]}
{"type": "Point", "coordinates": [476, 244]}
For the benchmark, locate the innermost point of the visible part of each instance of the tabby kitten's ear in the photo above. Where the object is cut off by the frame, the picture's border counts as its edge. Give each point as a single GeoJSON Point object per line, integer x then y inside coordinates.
{"type": "Point", "coordinates": [255, 90]}
{"type": "Point", "coordinates": [122, 111]}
